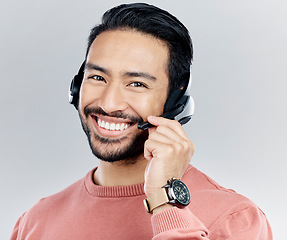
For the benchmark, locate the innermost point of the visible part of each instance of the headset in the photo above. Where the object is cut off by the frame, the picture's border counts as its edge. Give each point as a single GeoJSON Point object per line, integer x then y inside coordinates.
{"type": "Point", "coordinates": [75, 86]}
{"type": "Point", "coordinates": [179, 104]}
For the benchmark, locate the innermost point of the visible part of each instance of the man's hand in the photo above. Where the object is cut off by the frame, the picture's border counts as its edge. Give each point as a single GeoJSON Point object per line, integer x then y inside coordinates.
{"type": "Point", "coordinates": [168, 151]}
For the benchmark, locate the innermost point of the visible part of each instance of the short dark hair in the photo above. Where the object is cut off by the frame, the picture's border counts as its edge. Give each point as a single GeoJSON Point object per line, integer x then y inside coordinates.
{"type": "Point", "coordinates": [159, 23]}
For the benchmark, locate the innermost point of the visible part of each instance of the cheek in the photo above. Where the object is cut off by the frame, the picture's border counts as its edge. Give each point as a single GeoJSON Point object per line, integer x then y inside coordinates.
{"type": "Point", "coordinates": [146, 106]}
{"type": "Point", "coordinates": [87, 96]}
{"type": "Point", "coordinates": [82, 98]}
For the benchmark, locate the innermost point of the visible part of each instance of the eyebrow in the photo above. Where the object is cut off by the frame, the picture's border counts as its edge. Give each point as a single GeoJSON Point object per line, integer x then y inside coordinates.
{"type": "Point", "coordinates": [140, 74]}
{"type": "Point", "coordinates": [96, 67]}
{"type": "Point", "coordinates": [128, 74]}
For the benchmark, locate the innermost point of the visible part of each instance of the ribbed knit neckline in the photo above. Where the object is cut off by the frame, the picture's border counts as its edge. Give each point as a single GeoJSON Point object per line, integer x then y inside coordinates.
{"type": "Point", "coordinates": [115, 191]}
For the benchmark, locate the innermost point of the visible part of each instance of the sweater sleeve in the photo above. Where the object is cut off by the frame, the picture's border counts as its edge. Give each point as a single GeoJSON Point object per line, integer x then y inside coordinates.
{"type": "Point", "coordinates": [178, 223]}
{"type": "Point", "coordinates": [240, 223]}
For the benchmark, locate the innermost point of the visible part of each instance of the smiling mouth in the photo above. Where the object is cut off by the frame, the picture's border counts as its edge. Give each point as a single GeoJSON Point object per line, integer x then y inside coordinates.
{"type": "Point", "coordinates": [112, 125]}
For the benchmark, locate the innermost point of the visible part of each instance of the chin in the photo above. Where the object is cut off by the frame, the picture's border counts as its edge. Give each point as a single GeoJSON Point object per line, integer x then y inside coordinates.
{"type": "Point", "coordinates": [125, 149]}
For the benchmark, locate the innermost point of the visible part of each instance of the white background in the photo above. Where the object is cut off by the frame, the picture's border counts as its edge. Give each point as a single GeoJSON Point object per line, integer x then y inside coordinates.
{"type": "Point", "coordinates": [239, 86]}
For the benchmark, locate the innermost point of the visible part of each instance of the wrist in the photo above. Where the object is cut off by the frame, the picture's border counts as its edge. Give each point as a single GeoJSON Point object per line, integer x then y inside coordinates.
{"type": "Point", "coordinates": [162, 208]}
{"type": "Point", "coordinates": [174, 193]}
{"type": "Point", "coordinates": [157, 186]}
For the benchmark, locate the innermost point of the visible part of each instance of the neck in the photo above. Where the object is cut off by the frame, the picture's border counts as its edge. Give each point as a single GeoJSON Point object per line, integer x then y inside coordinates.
{"type": "Point", "coordinates": [120, 173]}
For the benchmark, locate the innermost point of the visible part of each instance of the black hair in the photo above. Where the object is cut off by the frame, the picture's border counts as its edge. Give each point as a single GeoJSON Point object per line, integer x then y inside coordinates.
{"type": "Point", "coordinates": [159, 23]}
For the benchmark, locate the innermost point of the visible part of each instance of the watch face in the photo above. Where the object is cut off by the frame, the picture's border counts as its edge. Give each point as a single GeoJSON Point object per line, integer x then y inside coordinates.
{"type": "Point", "coordinates": [181, 192]}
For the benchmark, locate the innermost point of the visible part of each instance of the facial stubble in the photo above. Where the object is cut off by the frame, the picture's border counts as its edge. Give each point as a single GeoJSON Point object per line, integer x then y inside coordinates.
{"type": "Point", "coordinates": [125, 149]}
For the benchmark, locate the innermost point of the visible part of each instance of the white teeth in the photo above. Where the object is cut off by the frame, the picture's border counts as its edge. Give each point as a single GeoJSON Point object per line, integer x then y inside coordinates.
{"type": "Point", "coordinates": [122, 127]}
{"type": "Point", "coordinates": [112, 126]}
{"type": "Point", "coordinates": [107, 126]}
{"type": "Point", "coordinates": [102, 124]}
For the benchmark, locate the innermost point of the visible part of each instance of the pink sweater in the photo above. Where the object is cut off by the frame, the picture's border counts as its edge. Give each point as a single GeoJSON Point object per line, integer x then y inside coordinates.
{"type": "Point", "coordinates": [86, 211]}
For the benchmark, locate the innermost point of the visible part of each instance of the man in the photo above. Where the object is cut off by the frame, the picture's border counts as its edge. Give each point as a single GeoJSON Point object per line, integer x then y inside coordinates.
{"type": "Point", "coordinates": [137, 67]}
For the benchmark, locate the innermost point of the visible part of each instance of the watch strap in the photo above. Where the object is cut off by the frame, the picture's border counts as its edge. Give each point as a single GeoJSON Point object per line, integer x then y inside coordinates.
{"type": "Point", "coordinates": [155, 200]}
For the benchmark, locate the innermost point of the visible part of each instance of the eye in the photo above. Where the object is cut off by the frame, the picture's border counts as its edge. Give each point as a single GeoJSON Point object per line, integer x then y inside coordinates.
{"type": "Point", "coordinates": [97, 78]}
{"type": "Point", "coordinates": [138, 84]}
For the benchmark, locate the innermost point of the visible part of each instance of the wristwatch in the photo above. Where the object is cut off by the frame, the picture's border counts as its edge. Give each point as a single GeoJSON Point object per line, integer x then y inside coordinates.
{"type": "Point", "coordinates": [174, 192]}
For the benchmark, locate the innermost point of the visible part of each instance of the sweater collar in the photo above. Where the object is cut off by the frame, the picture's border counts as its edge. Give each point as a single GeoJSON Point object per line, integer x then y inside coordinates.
{"type": "Point", "coordinates": [114, 191]}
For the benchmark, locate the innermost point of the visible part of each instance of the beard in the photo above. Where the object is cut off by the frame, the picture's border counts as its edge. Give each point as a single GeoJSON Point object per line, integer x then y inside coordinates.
{"type": "Point", "coordinates": [114, 150]}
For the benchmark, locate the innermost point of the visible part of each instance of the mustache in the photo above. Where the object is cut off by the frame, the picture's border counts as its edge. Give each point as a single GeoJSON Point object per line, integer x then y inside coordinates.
{"type": "Point", "coordinates": [116, 114]}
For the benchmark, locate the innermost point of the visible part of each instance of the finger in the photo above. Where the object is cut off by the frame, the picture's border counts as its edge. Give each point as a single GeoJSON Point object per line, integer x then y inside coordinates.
{"type": "Point", "coordinates": [166, 135]}
{"type": "Point", "coordinates": [170, 133]}
{"type": "Point", "coordinates": [161, 137]}
{"type": "Point", "coordinates": [172, 124]}
{"type": "Point", "coordinates": [155, 149]}
{"type": "Point", "coordinates": [149, 149]}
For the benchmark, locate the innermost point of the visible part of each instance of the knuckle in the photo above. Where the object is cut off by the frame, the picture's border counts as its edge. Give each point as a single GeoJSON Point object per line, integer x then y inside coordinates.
{"type": "Point", "coordinates": [192, 146]}
{"type": "Point", "coordinates": [176, 148]}
{"type": "Point", "coordinates": [186, 144]}
{"type": "Point", "coordinates": [179, 147]}
{"type": "Point", "coordinates": [170, 149]}
{"type": "Point", "coordinates": [191, 149]}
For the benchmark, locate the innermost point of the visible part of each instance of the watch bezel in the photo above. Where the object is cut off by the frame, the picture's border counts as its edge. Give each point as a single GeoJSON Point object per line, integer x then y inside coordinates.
{"type": "Point", "coordinates": [173, 198]}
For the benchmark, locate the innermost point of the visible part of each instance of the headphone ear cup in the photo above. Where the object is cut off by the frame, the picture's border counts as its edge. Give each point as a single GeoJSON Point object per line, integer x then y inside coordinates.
{"type": "Point", "coordinates": [192, 105]}
{"type": "Point", "coordinates": [74, 92]}
{"type": "Point", "coordinates": [172, 100]}
{"type": "Point", "coordinates": [75, 86]}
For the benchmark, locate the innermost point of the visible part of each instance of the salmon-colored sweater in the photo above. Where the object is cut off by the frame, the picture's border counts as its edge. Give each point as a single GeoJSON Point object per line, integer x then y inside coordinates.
{"type": "Point", "coordinates": [85, 211]}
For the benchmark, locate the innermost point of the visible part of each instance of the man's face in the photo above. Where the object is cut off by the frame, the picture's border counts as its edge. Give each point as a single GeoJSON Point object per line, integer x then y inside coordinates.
{"type": "Point", "coordinates": [125, 81]}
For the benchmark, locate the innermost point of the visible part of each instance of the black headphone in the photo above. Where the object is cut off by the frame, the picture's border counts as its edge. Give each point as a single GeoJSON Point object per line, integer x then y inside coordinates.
{"type": "Point", "coordinates": [175, 103]}
{"type": "Point", "coordinates": [75, 86]}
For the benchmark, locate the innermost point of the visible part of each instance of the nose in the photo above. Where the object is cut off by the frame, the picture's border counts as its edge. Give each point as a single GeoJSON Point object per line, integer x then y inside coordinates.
{"type": "Point", "coordinates": [112, 99]}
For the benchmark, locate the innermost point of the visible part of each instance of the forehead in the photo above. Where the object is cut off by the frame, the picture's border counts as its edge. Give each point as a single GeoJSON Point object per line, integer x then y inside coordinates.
{"type": "Point", "coordinates": [129, 50]}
